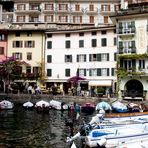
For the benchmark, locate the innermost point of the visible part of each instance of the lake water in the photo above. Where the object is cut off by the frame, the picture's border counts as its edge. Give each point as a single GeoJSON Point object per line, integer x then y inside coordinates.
{"type": "Point", "coordinates": [21, 128]}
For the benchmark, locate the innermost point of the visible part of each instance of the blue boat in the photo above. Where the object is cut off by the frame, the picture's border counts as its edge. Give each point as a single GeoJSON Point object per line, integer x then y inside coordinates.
{"type": "Point", "coordinates": [119, 107]}
{"type": "Point", "coordinates": [103, 105]}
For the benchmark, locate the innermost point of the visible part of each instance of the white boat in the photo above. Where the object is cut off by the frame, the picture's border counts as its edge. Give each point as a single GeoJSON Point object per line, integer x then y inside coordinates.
{"type": "Point", "coordinates": [119, 107]}
{"type": "Point", "coordinates": [5, 104]}
{"type": "Point", "coordinates": [98, 121]}
{"type": "Point", "coordinates": [113, 136]}
{"type": "Point", "coordinates": [28, 104]}
{"type": "Point", "coordinates": [58, 105]}
{"type": "Point", "coordinates": [42, 103]}
{"type": "Point", "coordinates": [103, 105]}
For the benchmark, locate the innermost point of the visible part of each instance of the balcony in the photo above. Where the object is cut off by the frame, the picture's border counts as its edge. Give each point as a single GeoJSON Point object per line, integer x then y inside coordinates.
{"type": "Point", "coordinates": [129, 50]}
{"type": "Point", "coordinates": [126, 31]}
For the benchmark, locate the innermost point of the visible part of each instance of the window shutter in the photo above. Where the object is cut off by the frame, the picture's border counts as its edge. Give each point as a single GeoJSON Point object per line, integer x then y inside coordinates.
{"type": "Point", "coordinates": [107, 71]}
{"type": "Point", "coordinates": [120, 45]}
{"type": "Point", "coordinates": [108, 7]}
{"type": "Point", "coordinates": [113, 71]}
{"type": "Point", "coordinates": [132, 24]}
{"type": "Point", "coordinates": [120, 25]}
{"type": "Point", "coordinates": [84, 72]}
{"type": "Point", "coordinates": [77, 58]}
{"type": "Point", "coordinates": [107, 56]}
{"type": "Point", "coordinates": [133, 44]}
{"type": "Point", "coordinates": [20, 56]}
{"type": "Point", "coordinates": [98, 71]}
{"type": "Point", "coordinates": [98, 57]}
{"type": "Point", "coordinates": [84, 58]}
{"type": "Point", "coordinates": [115, 56]}
{"type": "Point", "coordinates": [90, 58]}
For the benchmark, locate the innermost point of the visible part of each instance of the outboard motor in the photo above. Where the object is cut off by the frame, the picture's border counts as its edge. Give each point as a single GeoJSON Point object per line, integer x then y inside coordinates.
{"type": "Point", "coordinates": [85, 129]}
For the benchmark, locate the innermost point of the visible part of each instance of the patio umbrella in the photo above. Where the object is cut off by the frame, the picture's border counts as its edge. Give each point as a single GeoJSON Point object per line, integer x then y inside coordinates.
{"type": "Point", "coordinates": [75, 79]}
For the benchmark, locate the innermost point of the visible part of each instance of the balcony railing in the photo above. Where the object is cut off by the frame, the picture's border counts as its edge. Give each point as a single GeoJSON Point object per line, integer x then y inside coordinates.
{"type": "Point", "coordinates": [126, 31]}
{"type": "Point", "coordinates": [127, 50]}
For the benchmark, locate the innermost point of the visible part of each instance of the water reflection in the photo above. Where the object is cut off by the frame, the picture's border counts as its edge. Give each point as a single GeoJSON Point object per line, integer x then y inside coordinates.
{"type": "Point", "coordinates": [29, 129]}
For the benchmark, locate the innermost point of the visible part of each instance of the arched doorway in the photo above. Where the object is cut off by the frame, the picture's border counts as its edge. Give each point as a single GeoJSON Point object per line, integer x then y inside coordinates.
{"type": "Point", "coordinates": [134, 88]}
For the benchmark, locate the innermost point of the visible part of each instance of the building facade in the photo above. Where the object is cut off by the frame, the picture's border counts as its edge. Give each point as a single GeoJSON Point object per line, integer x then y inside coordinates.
{"type": "Point", "coordinates": [132, 34]}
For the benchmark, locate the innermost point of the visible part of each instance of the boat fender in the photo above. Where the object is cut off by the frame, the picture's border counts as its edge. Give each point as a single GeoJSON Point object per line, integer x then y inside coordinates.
{"type": "Point", "coordinates": [101, 142]}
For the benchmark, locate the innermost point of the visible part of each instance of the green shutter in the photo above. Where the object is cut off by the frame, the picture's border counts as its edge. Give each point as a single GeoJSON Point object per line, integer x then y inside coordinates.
{"type": "Point", "coordinates": [120, 25]}
{"type": "Point", "coordinates": [98, 71]}
{"type": "Point", "coordinates": [98, 57]}
{"type": "Point", "coordinates": [115, 56]}
{"type": "Point", "coordinates": [107, 71]}
{"type": "Point", "coordinates": [90, 59]}
{"type": "Point", "coordinates": [133, 44]}
{"type": "Point", "coordinates": [107, 56]}
{"type": "Point", "coordinates": [77, 58]}
{"type": "Point", "coordinates": [84, 58]}
{"type": "Point", "coordinates": [84, 72]}
{"type": "Point", "coordinates": [132, 24]}
{"type": "Point", "coordinates": [113, 71]}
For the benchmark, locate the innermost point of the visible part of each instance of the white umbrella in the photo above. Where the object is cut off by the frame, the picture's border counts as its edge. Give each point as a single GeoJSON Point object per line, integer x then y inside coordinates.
{"type": "Point", "coordinates": [28, 104]}
{"type": "Point", "coordinates": [41, 103]}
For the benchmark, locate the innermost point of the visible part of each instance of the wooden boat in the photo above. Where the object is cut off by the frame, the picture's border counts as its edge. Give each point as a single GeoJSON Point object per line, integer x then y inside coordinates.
{"type": "Point", "coordinates": [113, 136]}
{"type": "Point", "coordinates": [133, 107]}
{"type": "Point", "coordinates": [5, 104]}
{"type": "Point", "coordinates": [88, 108]}
{"type": "Point", "coordinates": [128, 114]}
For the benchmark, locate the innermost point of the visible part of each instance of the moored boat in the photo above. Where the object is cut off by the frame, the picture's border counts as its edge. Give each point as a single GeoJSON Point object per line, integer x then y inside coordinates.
{"type": "Point", "coordinates": [5, 104]}
{"type": "Point", "coordinates": [88, 108]}
{"type": "Point", "coordinates": [28, 105]}
{"type": "Point", "coordinates": [113, 136]}
{"type": "Point", "coordinates": [104, 106]}
{"type": "Point", "coordinates": [119, 107]}
{"type": "Point", "coordinates": [42, 106]}
{"type": "Point", "coordinates": [58, 105]}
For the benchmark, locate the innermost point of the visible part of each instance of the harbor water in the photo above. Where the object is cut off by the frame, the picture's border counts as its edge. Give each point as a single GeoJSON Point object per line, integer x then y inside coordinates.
{"type": "Point", "coordinates": [20, 128]}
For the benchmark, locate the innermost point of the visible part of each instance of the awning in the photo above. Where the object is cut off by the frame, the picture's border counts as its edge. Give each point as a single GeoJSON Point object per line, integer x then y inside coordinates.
{"type": "Point", "coordinates": [100, 83]}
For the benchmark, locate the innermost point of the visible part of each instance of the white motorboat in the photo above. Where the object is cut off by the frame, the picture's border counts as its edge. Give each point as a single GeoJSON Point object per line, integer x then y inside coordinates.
{"type": "Point", "coordinates": [104, 105]}
{"type": "Point", "coordinates": [5, 104]}
{"type": "Point", "coordinates": [42, 106]}
{"type": "Point", "coordinates": [28, 104]}
{"type": "Point", "coordinates": [113, 136]}
{"type": "Point", "coordinates": [58, 105]}
{"type": "Point", "coordinates": [119, 107]}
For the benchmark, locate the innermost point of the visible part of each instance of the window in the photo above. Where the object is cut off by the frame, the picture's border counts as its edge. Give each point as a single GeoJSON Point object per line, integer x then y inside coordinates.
{"type": "Point", "coordinates": [81, 43]}
{"type": "Point", "coordinates": [21, 18]}
{"type": "Point", "coordinates": [94, 43]}
{"type": "Point", "coordinates": [105, 7]}
{"type": "Point", "coordinates": [91, 7]}
{"type": "Point", "coordinates": [81, 58]}
{"type": "Point", "coordinates": [1, 50]}
{"type": "Point", "coordinates": [115, 41]}
{"type": "Point", "coordinates": [93, 72]}
{"type": "Point", "coordinates": [77, 19]}
{"type": "Point", "coordinates": [67, 44]}
{"type": "Point", "coordinates": [49, 35]}
{"type": "Point", "coordinates": [28, 69]}
{"type": "Point", "coordinates": [49, 7]}
{"type": "Point", "coordinates": [17, 55]}
{"type": "Point", "coordinates": [67, 72]}
{"type": "Point", "coordinates": [103, 42]}
{"type": "Point", "coordinates": [67, 34]}
{"type": "Point", "coordinates": [49, 72]}
{"type": "Point", "coordinates": [48, 18]}
{"type": "Point", "coordinates": [63, 18]}
{"type": "Point", "coordinates": [49, 44]}
{"type": "Point", "coordinates": [91, 19]}
{"type": "Point", "coordinates": [115, 56]}
{"type": "Point", "coordinates": [81, 34]}
{"type": "Point", "coordinates": [63, 7]}
{"type": "Point", "coordinates": [82, 72]}
{"type": "Point", "coordinates": [103, 32]}
{"type": "Point", "coordinates": [68, 58]}
{"type": "Point", "coordinates": [141, 64]}
{"type": "Point", "coordinates": [35, 69]}
{"type": "Point", "coordinates": [2, 37]}
{"type": "Point", "coordinates": [17, 44]}
{"type": "Point", "coordinates": [29, 44]}
{"type": "Point", "coordinates": [29, 56]}
{"type": "Point", "coordinates": [105, 19]}
{"type": "Point", "coordinates": [29, 34]}
{"type": "Point", "coordinates": [105, 71]}
{"type": "Point", "coordinates": [94, 33]}
{"type": "Point", "coordinates": [104, 57]}
{"type": "Point", "coordinates": [17, 34]}
{"type": "Point", "coordinates": [49, 58]}
{"type": "Point", "coordinates": [20, 6]}
{"type": "Point", "coordinates": [77, 7]}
